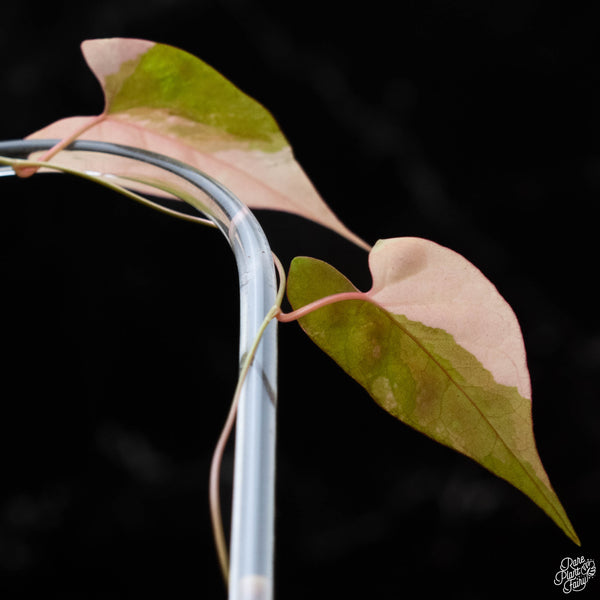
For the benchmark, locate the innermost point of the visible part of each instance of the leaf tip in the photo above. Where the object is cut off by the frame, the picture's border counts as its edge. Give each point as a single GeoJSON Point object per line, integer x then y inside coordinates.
{"type": "Point", "coordinates": [574, 537]}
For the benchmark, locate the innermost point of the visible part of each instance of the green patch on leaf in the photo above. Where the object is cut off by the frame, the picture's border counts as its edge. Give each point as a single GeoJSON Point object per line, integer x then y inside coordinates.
{"type": "Point", "coordinates": [171, 80]}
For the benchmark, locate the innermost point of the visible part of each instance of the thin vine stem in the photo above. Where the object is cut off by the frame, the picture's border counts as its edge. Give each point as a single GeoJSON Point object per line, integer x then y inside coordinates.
{"type": "Point", "coordinates": [305, 310]}
{"type": "Point", "coordinates": [18, 164]}
{"type": "Point", "coordinates": [274, 313]}
{"type": "Point", "coordinates": [215, 469]}
{"type": "Point", "coordinates": [294, 315]}
{"type": "Point", "coordinates": [24, 171]}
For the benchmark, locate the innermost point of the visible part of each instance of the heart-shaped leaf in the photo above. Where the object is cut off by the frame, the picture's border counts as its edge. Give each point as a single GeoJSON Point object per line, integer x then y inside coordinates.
{"type": "Point", "coordinates": [435, 345]}
{"type": "Point", "coordinates": [162, 99]}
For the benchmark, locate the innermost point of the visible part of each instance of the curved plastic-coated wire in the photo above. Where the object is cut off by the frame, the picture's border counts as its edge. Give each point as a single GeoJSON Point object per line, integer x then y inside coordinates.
{"type": "Point", "coordinates": [252, 545]}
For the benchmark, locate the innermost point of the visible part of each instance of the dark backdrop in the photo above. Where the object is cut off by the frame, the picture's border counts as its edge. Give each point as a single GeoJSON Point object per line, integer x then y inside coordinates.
{"type": "Point", "coordinates": [474, 124]}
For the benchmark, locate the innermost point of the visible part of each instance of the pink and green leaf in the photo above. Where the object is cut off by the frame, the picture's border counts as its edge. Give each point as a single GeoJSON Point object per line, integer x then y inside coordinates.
{"type": "Point", "coordinates": [165, 100]}
{"type": "Point", "coordinates": [436, 346]}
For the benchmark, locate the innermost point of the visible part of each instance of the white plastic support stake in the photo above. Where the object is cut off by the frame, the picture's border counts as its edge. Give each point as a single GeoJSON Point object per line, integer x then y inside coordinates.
{"type": "Point", "coordinates": [252, 528]}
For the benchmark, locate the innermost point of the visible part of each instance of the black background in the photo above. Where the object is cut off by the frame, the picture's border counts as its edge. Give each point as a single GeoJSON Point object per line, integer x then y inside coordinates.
{"type": "Point", "coordinates": [474, 124]}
